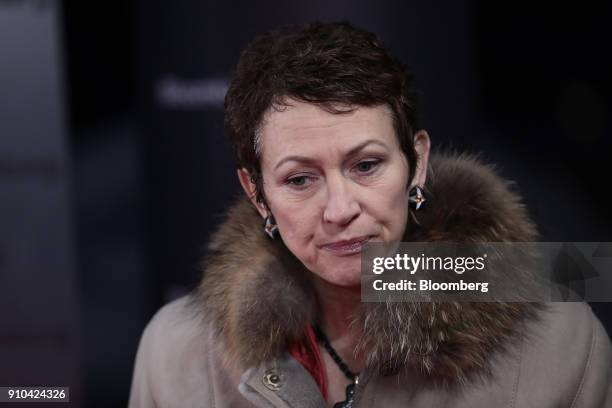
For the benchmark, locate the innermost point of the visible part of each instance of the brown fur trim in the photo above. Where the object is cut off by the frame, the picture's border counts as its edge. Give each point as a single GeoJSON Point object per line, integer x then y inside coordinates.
{"type": "Point", "coordinates": [257, 296]}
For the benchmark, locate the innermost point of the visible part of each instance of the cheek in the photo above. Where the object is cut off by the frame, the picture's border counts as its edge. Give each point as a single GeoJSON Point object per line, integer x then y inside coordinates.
{"type": "Point", "coordinates": [296, 224]}
{"type": "Point", "coordinates": [399, 202]}
{"type": "Point", "coordinates": [390, 206]}
{"type": "Point", "coordinates": [396, 211]}
{"type": "Point", "coordinates": [298, 237]}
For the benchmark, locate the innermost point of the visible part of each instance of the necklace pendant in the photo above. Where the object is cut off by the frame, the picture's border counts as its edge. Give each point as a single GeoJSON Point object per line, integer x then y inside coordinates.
{"type": "Point", "coordinates": [348, 402]}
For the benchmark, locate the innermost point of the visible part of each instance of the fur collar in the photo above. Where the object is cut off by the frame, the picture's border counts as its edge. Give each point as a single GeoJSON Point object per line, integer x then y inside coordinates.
{"type": "Point", "coordinates": [255, 296]}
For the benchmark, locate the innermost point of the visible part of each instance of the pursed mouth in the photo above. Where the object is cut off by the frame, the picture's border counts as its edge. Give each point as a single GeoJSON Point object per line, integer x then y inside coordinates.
{"type": "Point", "coordinates": [348, 247]}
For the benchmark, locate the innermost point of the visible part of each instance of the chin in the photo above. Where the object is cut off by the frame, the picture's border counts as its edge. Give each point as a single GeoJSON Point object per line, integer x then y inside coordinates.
{"type": "Point", "coordinates": [343, 275]}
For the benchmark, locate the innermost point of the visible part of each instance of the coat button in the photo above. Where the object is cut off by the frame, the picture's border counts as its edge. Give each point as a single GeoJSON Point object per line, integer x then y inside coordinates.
{"type": "Point", "coordinates": [272, 379]}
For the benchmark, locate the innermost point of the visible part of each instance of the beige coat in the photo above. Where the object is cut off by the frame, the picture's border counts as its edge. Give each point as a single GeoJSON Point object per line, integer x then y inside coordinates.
{"type": "Point", "coordinates": [219, 346]}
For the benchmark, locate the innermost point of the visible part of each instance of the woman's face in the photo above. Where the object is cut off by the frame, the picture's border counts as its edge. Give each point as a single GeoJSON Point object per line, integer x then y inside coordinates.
{"type": "Point", "coordinates": [334, 182]}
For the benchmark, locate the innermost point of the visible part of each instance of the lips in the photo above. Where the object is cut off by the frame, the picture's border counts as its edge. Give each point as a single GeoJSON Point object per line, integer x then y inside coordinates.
{"type": "Point", "coordinates": [347, 247]}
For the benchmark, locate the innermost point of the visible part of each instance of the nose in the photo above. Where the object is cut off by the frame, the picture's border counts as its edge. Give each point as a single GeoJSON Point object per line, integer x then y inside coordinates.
{"type": "Point", "coordinates": [341, 207]}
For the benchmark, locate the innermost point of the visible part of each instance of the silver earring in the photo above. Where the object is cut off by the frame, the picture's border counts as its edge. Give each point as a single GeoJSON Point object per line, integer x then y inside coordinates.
{"type": "Point", "coordinates": [416, 198]}
{"type": "Point", "coordinates": [270, 227]}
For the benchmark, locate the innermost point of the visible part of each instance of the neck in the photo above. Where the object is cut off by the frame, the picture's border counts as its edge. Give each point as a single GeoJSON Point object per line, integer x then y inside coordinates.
{"type": "Point", "coordinates": [339, 308]}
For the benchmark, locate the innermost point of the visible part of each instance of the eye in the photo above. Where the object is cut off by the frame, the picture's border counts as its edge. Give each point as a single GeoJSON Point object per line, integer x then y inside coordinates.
{"type": "Point", "coordinates": [367, 166]}
{"type": "Point", "coordinates": [299, 182]}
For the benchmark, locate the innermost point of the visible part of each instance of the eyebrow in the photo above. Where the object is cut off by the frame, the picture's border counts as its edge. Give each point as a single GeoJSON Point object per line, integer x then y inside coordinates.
{"type": "Point", "coordinates": [352, 151]}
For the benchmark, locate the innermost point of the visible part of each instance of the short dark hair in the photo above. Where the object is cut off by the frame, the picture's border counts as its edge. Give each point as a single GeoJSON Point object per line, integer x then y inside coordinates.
{"type": "Point", "coordinates": [326, 64]}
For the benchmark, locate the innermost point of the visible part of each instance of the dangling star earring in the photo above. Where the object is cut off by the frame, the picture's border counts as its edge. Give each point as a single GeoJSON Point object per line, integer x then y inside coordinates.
{"type": "Point", "coordinates": [270, 227]}
{"type": "Point", "coordinates": [416, 198]}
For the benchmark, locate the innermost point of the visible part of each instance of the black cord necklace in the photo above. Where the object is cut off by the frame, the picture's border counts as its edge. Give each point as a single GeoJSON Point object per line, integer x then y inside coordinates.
{"type": "Point", "coordinates": [350, 389]}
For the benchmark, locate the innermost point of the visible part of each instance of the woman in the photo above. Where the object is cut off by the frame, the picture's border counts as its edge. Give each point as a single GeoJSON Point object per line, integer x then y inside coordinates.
{"type": "Point", "coordinates": [323, 125]}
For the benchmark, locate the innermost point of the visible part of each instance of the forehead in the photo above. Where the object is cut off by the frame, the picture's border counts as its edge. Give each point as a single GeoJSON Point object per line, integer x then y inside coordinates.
{"type": "Point", "coordinates": [301, 128]}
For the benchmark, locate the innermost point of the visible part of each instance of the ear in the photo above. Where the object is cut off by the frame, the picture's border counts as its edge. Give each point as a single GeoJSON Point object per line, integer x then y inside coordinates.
{"type": "Point", "coordinates": [422, 145]}
{"type": "Point", "coordinates": [249, 188]}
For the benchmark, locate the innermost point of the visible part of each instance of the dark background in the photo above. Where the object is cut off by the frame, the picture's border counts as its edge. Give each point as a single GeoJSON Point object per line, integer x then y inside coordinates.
{"type": "Point", "coordinates": [114, 169]}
